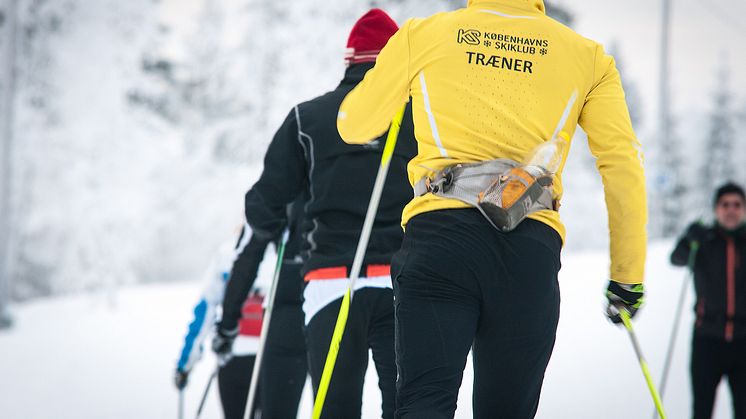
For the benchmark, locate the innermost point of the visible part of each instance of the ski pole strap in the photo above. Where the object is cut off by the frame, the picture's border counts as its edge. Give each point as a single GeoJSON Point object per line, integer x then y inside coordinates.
{"type": "Point", "coordinates": [501, 190]}
{"type": "Point", "coordinates": [463, 181]}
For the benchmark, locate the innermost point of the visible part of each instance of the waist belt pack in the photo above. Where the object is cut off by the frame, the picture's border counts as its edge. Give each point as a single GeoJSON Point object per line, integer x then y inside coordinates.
{"type": "Point", "coordinates": [502, 190]}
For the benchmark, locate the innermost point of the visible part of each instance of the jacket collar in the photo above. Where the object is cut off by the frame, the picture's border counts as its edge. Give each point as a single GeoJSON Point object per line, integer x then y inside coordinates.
{"type": "Point", "coordinates": [528, 5]}
{"type": "Point", "coordinates": [354, 74]}
{"type": "Point", "coordinates": [737, 232]}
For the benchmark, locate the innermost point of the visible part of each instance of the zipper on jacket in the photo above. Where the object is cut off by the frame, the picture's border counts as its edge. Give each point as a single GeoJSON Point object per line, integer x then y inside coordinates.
{"type": "Point", "coordinates": [730, 287]}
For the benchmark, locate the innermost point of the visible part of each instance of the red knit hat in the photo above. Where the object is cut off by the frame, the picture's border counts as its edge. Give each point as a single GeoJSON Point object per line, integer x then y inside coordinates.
{"type": "Point", "coordinates": [369, 36]}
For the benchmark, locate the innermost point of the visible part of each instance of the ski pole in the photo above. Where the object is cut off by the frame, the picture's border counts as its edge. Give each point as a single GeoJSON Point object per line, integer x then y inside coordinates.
{"type": "Point", "coordinates": [643, 364]}
{"type": "Point", "coordinates": [207, 391]}
{"type": "Point", "coordinates": [265, 327]}
{"type": "Point", "coordinates": [181, 404]}
{"type": "Point", "coordinates": [362, 244]}
{"type": "Point", "coordinates": [677, 320]}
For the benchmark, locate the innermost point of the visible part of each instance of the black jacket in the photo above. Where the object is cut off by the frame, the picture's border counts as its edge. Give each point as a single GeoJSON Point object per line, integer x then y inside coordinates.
{"type": "Point", "coordinates": [307, 156]}
{"type": "Point", "coordinates": [719, 280]}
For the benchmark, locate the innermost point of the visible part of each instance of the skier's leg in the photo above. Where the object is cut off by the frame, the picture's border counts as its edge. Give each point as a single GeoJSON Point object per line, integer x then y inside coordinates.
{"type": "Point", "coordinates": [234, 379]}
{"type": "Point", "coordinates": [706, 372]}
{"type": "Point", "coordinates": [436, 303]}
{"type": "Point", "coordinates": [518, 322]}
{"type": "Point", "coordinates": [285, 361]}
{"type": "Point", "coordinates": [344, 397]}
{"type": "Point", "coordinates": [381, 341]}
{"type": "Point", "coordinates": [737, 378]}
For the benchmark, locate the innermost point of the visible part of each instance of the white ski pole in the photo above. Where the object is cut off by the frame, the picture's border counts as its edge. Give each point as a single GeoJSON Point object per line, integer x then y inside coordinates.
{"type": "Point", "coordinates": [677, 321]}
{"type": "Point", "coordinates": [207, 391]}
{"type": "Point", "coordinates": [181, 404]}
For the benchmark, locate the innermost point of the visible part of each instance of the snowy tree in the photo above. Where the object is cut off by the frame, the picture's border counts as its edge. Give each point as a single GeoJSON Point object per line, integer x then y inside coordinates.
{"type": "Point", "coordinates": [673, 197]}
{"type": "Point", "coordinates": [40, 23]}
{"type": "Point", "coordinates": [80, 161]}
{"type": "Point", "coordinates": [8, 13]}
{"type": "Point", "coordinates": [741, 145]}
{"type": "Point", "coordinates": [196, 94]}
{"type": "Point", "coordinates": [719, 145]}
{"type": "Point", "coordinates": [208, 95]}
{"type": "Point", "coordinates": [631, 90]}
{"type": "Point", "coordinates": [668, 195]}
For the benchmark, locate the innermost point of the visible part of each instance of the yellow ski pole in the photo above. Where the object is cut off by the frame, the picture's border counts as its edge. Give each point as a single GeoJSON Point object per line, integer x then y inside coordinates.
{"type": "Point", "coordinates": [643, 364]}
{"type": "Point", "coordinates": [362, 244]}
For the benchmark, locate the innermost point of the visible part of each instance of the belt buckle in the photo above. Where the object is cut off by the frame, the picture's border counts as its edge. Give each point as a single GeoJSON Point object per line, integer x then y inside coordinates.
{"type": "Point", "coordinates": [445, 180]}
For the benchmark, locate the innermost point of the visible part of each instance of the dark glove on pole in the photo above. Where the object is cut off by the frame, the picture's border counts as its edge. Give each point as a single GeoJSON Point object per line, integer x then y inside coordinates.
{"type": "Point", "coordinates": [222, 344]}
{"type": "Point", "coordinates": [623, 296]}
{"type": "Point", "coordinates": [696, 232]}
{"type": "Point", "coordinates": [181, 379]}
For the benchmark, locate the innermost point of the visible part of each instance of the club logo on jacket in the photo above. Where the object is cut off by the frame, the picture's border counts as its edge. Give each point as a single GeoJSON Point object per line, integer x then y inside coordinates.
{"type": "Point", "coordinates": [496, 61]}
{"type": "Point", "coordinates": [469, 36]}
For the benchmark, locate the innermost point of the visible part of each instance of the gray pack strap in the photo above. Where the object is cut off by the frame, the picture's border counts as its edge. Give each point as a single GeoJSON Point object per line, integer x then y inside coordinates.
{"type": "Point", "coordinates": [422, 186]}
{"type": "Point", "coordinates": [481, 185]}
{"type": "Point", "coordinates": [480, 175]}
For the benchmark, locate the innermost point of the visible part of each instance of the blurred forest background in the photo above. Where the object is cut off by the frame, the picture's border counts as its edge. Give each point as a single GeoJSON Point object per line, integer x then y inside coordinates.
{"type": "Point", "coordinates": [131, 130]}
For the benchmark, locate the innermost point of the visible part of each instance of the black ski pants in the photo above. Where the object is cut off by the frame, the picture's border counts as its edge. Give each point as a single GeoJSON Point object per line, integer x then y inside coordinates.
{"type": "Point", "coordinates": [285, 360]}
{"type": "Point", "coordinates": [370, 326]}
{"type": "Point", "coordinates": [234, 379]}
{"type": "Point", "coordinates": [460, 284]}
{"type": "Point", "coordinates": [713, 358]}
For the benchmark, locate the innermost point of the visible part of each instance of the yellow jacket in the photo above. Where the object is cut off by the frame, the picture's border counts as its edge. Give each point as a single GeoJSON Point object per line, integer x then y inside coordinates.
{"type": "Point", "coordinates": [491, 81]}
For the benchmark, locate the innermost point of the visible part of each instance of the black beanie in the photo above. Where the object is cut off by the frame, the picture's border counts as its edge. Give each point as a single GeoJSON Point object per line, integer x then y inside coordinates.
{"type": "Point", "coordinates": [728, 188]}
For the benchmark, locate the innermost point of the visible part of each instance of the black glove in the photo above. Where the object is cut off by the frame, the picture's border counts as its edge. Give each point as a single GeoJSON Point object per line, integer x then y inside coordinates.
{"type": "Point", "coordinates": [627, 297]}
{"type": "Point", "coordinates": [696, 232]}
{"type": "Point", "coordinates": [222, 343]}
{"type": "Point", "coordinates": [181, 378]}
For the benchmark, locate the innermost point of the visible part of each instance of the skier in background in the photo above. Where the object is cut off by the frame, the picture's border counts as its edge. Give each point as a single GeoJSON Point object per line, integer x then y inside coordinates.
{"type": "Point", "coordinates": [234, 373]}
{"type": "Point", "coordinates": [717, 255]}
{"type": "Point", "coordinates": [284, 369]}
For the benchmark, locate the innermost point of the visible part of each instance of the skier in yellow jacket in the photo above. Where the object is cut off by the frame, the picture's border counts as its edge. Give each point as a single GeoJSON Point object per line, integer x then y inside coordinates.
{"type": "Point", "coordinates": [489, 83]}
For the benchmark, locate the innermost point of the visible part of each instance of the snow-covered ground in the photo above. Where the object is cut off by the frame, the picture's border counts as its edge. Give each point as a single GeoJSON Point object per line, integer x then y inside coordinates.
{"type": "Point", "coordinates": [90, 356]}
